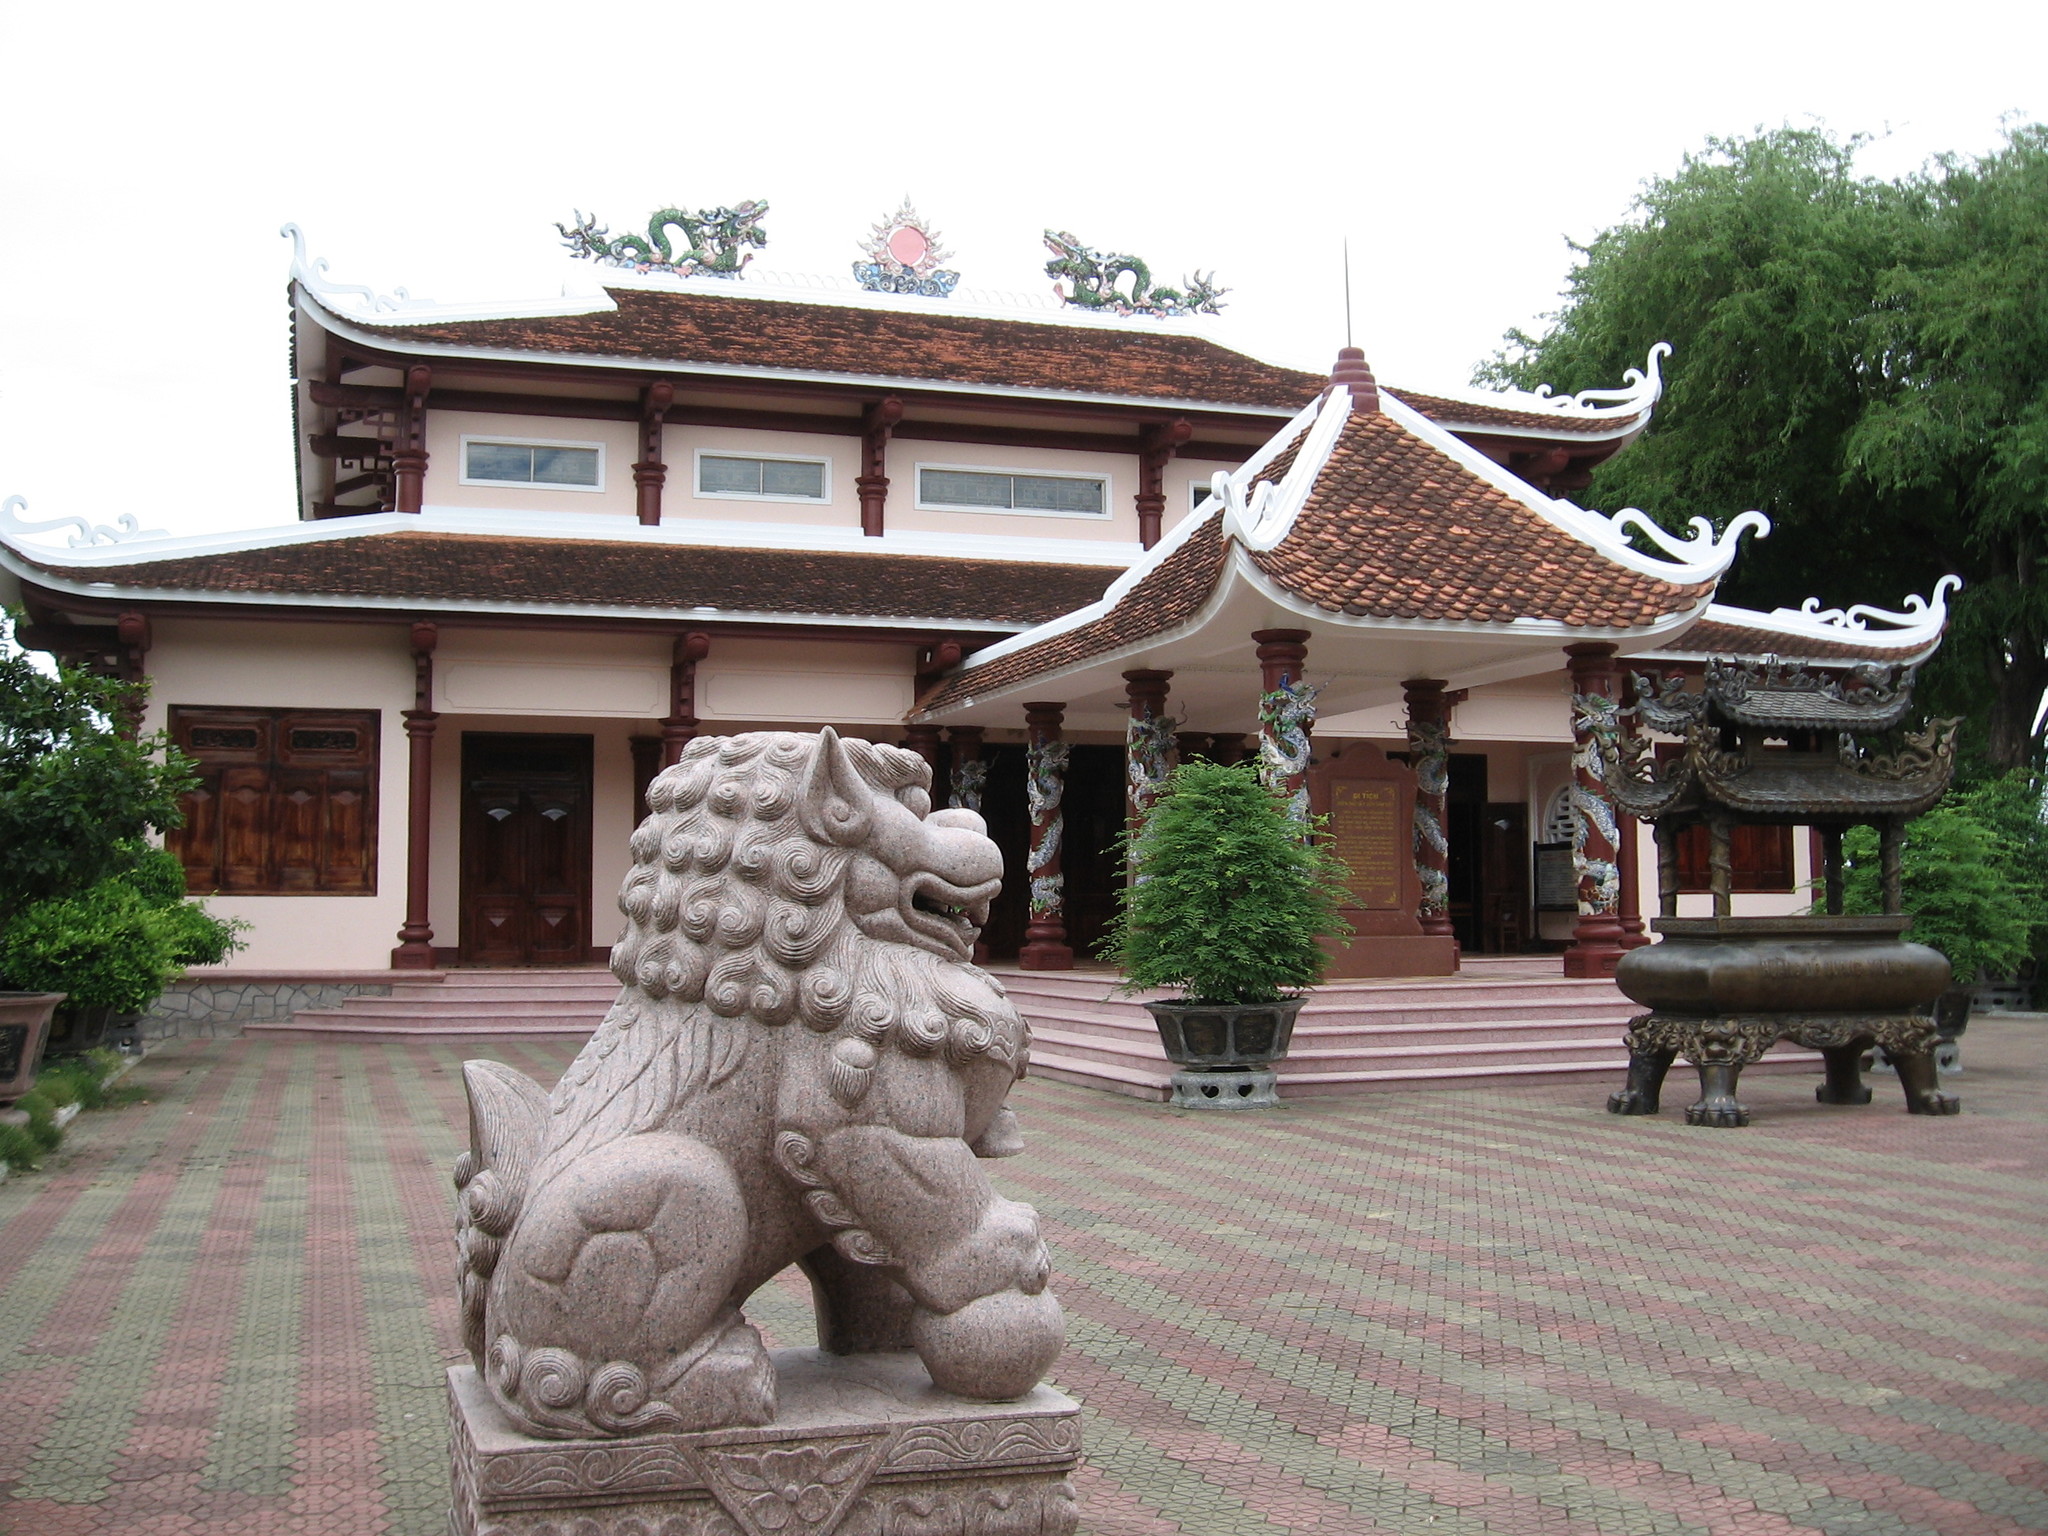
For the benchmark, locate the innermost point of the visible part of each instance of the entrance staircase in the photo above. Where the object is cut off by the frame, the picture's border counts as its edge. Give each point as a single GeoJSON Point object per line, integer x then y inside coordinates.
{"type": "Point", "coordinates": [1498, 1020]}
{"type": "Point", "coordinates": [568, 1002]}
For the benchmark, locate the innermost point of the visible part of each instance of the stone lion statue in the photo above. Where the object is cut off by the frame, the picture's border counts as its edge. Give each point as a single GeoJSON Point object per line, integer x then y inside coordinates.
{"type": "Point", "coordinates": [802, 1067]}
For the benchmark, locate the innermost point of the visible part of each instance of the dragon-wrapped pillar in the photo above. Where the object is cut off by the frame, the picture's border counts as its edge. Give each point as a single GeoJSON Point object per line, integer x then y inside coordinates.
{"type": "Point", "coordinates": [1596, 835]}
{"type": "Point", "coordinates": [1148, 743]}
{"type": "Point", "coordinates": [1045, 784]}
{"type": "Point", "coordinates": [1429, 754]}
{"type": "Point", "coordinates": [1287, 714]}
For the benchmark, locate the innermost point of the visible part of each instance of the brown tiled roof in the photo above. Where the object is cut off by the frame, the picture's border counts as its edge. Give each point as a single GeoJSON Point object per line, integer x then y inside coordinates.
{"type": "Point", "coordinates": [430, 567]}
{"type": "Point", "coordinates": [1395, 529]}
{"type": "Point", "coordinates": [1714, 637]}
{"type": "Point", "coordinates": [1466, 414]}
{"type": "Point", "coordinates": [831, 338]}
{"type": "Point", "coordinates": [1168, 596]}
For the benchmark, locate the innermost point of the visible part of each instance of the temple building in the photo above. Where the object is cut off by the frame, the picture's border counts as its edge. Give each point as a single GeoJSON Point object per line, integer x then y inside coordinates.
{"type": "Point", "coordinates": [536, 549]}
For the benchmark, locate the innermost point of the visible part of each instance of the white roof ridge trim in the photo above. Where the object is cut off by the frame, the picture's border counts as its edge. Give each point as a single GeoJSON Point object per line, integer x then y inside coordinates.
{"type": "Point", "coordinates": [587, 528]}
{"type": "Point", "coordinates": [1640, 390]}
{"type": "Point", "coordinates": [1923, 620]}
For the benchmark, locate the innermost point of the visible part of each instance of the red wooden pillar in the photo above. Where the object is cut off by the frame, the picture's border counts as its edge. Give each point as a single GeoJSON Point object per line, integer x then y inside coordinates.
{"type": "Point", "coordinates": [132, 632]}
{"type": "Point", "coordinates": [1429, 754]}
{"type": "Point", "coordinates": [1226, 747]}
{"type": "Point", "coordinates": [872, 483]}
{"type": "Point", "coordinates": [651, 473]}
{"type": "Point", "coordinates": [1045, 937]}
{"type": "Point", "coordinates": [409, 458]}
{"type": "Point", "coordinates": [1158, 441]}
{"type": "Point", "coordinates": [1633, 935]}
{"type": "Point", "coordinates": [1283, 760]}
{"type": "Point", "coordinates": [415, 951]}
{"type": "Point", "coordinates": [1189, 745]}
{"type": "Point", "coordinates": [924, 741]}
{"type": "Point", "coordinates": [1596, 837]}
{"type": "Point", "coordinates": [681, 723]}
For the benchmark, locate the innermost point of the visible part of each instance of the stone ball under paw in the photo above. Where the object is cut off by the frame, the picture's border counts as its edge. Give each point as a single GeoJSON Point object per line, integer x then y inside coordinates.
{"type": "Point", "coordinates": [996, 1349]}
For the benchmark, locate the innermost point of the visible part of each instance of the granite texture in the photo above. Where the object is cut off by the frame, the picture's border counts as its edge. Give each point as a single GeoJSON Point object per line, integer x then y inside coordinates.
{"type": "Point", "coordinates": [862, 1446]}
{"type": "Point", "coordinates": [802, 1068]}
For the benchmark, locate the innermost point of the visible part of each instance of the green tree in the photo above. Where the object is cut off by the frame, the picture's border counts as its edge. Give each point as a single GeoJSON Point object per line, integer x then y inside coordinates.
{"type": "Point", "coordinates": [1864, 360]}
{"type": "Point", "coordinates": [1963, 900]}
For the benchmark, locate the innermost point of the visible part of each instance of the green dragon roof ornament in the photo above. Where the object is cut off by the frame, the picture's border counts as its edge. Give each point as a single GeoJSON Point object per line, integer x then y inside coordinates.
{"type": "Point", "coordinates": [1097, 277]}
{"type": "Point", "coordinates": [716, 239]}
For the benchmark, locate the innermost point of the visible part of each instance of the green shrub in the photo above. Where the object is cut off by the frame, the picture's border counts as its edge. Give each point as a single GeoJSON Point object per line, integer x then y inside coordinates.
{"type": "Point", "coordinates": [2011, 809]}
{"type": "Point", "coordinates": [105, 947]}
{"type": "Point", "coordinates": [80, 1081]}
{"type": "Point", "coordinates": [191, 935]}
{"type": "Point", "coordinates": [18, 1149]}
{"type": "Point", "coordinates": [1230, 898]}
{"type": "Point", "coordinates": [1956, 885]}
{"type": "Point", "coordinates": [42, 1126]}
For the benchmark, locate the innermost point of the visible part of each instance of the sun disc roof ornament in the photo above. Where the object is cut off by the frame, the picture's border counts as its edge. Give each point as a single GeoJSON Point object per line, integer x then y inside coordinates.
{"type": "Point", "coordinates": [1098, 278]}
{"type": "Point", "coordinates": [903, 254]}
{"type": "Point", "coordinates": [715, 240]}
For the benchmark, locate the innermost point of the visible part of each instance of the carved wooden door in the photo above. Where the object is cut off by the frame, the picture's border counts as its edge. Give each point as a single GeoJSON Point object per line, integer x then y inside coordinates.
{"type": "Point", "coordinates": [525, 850]}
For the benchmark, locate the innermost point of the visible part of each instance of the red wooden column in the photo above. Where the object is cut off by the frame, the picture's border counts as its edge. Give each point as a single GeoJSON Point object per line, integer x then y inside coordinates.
{"type": "Point", "coordinates": [1596, 837]}
{"type": "Point", "coordinates": [132, 633]}
{"type": "Point", "coordinates": [1226, 747]}
{"type": "Point", "coordinates": [872, 483]}
{"type": "Point", "coordinates": [1158, 441]}
{"type": "Point", "coordinates": [651, 473]}
{"type": "Point", "coordinates": [1429, 754]}
{"type": "Point", "coordinates": [970, 773]}
{"type": "Point", "coordinates": [1283, 749]}
{"type": "Point", "coordinates": [415, 951]}
{"type": "Point", "coordinates": [1633, 935]}
{"type": "Point", "coordinates": [1189, 745]}
{"type": "Point", "coordinates": [681, 723]}
{"type": "Point", "coordinates": [1045, 784]}
{"type": "Point", "coordinates": [409, 457]}
{"type": "Point", "coordinates": [924, 741]}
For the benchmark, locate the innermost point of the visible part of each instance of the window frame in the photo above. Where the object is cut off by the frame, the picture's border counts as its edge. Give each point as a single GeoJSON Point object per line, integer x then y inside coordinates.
{"type": "Point", "coordinates": [824, 463]}
{"type": "Point", "coordinates": [499, 439]}
{"type": "Point", "coordinates": [277, 770]}
{"type": "Point", "coordinates": [1105, 480]}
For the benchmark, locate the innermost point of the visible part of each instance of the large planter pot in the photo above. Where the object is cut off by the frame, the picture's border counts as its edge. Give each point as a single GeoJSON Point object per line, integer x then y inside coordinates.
{"type": "Point", "coordinates": [1225, 1037]}
{"type": "Point", "coordinates": [24, 1028]}
{"type": "Point", "coordinates": [1761, 965]}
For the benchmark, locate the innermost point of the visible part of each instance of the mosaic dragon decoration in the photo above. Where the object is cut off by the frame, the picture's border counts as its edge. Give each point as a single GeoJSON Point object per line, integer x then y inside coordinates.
{"type": "Point", "coordinates": [1596, 727]}
{"type": "Point", "coordinates": [802, 1067]}
{"type": "Point", "coordinates": [1287, 714]}
{"type": "Point", "coordinates": [1097, 276]}
{"type": "Point", "coordinates": [1148, 757]}
{"type": "Point", "coordinates": [1045, 786]}
{"type": "Point", "coordinates": [1429, 750]}
{"type": "Point", "coordinates": [717, 241]}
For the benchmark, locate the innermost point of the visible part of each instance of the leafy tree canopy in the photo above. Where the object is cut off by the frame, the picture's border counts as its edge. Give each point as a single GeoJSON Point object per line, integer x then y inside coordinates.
{"type": "Point", "coordinates": [76, 796]}
{"type": "Point", "coordinates": [1864, 360]}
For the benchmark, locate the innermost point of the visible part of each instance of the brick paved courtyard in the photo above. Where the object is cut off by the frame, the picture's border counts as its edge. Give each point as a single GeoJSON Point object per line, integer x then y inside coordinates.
{"type": "Point", "coordinates": [227, 1308]}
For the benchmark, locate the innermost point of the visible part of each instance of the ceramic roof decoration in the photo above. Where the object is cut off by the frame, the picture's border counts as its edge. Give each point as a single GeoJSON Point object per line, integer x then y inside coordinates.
{"type": "Point", "coordinates": [715, 241]}
{"type": "Point", "coordinates": [1098, 282]}
{"type": "Point", "coordinates": [903, 256]}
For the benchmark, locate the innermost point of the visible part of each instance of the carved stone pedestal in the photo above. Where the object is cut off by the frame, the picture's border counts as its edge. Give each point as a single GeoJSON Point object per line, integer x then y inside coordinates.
{"type": "Point", "coordinates": [862, 1445]}
{"type": "Point", "coordinates": [1253, 1089]}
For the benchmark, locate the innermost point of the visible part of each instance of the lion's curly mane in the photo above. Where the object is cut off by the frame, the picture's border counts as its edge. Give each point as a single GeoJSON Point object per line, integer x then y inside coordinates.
{"type": "Point", "coordinates": [735, 912]}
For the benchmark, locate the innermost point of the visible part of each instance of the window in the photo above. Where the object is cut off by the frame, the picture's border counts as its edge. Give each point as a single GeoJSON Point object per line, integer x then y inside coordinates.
{"type": "Point", "coordinates": [286, 803]}
{"type": "Point", "coordinates": [762, 477]}
{"type": "Point", "coordinates": [541, 466]}
{"type": "Point", "coordinates": [945, 489]}
{"type": "Point", "coordinates": [1198, 492]}
{"type": "Point", "coordinates": [1759, 859]}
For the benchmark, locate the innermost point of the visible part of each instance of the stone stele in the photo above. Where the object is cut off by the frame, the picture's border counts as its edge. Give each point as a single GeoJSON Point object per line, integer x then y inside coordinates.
{"type": "Point", "coordinates": [802, 1068]}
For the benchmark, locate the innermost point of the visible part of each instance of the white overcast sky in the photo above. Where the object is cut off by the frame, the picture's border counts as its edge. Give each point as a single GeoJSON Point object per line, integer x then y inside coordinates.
{"type": "Point", "coordinates": [150, 152]}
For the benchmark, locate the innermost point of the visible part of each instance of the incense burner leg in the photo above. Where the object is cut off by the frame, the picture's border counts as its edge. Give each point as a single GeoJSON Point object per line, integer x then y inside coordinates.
{"type": "Point", "coordinates": [1917, 1075]}
{"type": "Point", "coordinates": [1649, 1058]}
{"type": "Point", "coordinates": [1721, 1048]}
{"type": "Point", "coordinates": [1717, 1102]}
{"type": "Point", "coordinates": [1844, 1083]}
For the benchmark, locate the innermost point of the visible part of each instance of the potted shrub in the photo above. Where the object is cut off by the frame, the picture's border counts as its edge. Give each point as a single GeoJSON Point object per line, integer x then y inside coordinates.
{"type": "Point", "coordinates": [1229, 901]}
{"type": "Point", "coordinates": [77, 798]}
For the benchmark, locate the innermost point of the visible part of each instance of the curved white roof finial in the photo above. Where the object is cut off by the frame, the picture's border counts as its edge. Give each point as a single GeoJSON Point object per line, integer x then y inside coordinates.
{"type": "Point", "coordinates": [313, 276]}
{"type": "Point", "coordinates": [83, 534]}
{"type": "Point", "coordinates": [1640, 389]}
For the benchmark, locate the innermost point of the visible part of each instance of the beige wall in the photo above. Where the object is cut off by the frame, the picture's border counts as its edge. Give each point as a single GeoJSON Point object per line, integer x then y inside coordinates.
{"type": "Point", "coordinates": [304, 666]}
{"type": "Point", "coordinates": [444, 487]}
{"type": "Point", "coordinates": [550, 672]}
{"type": "Point", "coordinates": [803, 684]}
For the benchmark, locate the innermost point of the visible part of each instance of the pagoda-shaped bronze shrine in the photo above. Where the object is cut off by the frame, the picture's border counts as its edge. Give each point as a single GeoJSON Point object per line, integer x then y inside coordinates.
{"type": "Point", "coordinates": [1770, 743]}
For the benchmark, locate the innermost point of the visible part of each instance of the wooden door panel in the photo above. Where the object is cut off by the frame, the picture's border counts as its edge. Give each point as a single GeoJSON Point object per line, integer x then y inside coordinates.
{"type": "Point", "coordinates": [525, 849]}
{"type": "Point", "coordinates": [244, 828]}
